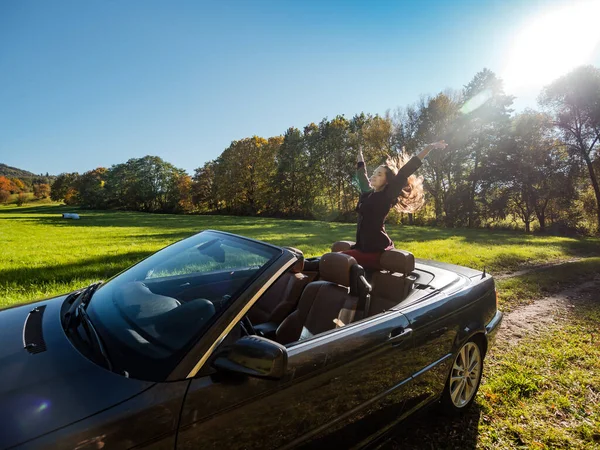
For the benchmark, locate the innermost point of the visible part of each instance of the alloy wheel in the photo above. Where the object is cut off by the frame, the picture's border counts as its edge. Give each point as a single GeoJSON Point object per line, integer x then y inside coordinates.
{"type": "Point", "coordinates": [465, 375]}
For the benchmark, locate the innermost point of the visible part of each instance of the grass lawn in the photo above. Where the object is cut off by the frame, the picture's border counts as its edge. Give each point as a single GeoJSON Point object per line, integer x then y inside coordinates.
{"type": "Point", "coordinates": [44, 255]}
{"type": "Point", "coordinates": [546, 392]}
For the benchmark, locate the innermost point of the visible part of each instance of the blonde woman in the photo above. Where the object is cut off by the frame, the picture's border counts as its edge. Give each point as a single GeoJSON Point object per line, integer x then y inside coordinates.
{"type": "Point", "coordinates": [392, 185]}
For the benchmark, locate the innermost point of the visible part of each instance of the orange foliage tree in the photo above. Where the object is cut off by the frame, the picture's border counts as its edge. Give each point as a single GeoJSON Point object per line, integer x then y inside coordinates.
{"type": "Point", "coordinates": [6, 184]}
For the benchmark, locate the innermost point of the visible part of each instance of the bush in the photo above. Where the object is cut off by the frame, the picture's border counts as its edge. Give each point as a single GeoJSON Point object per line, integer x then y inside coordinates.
{"type": "Point", "coordinates": [41, 190]}
{"type": "Point", "coordinates": [21, 199]}
{"type": "Point", "coordinates": [4, 196]}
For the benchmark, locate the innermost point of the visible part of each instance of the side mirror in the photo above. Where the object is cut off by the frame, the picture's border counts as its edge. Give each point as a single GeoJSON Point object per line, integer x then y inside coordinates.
{"type": "Point", "coordinates": [254, 356]}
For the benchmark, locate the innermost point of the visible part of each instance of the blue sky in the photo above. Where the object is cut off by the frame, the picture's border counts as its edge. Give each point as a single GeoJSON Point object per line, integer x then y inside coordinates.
{"type": "Point", "coordinates": [93, 83]}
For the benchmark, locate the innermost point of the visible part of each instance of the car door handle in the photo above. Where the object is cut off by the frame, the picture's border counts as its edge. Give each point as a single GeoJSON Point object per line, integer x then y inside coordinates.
{"type": "Point", "coordinates": [399, 334]}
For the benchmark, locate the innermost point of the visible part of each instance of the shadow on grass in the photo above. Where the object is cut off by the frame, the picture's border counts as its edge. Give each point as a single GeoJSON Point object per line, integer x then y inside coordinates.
{"type": "Point", "coordinates": [102, 267]}
{"type": "Point", "coordinates": [296, 232]}
{"type": "Point", "coordinates": [430, 429]}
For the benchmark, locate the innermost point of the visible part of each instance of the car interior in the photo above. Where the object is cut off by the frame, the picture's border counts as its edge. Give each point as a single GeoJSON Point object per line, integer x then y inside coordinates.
{"type": "Point", "coordinates": [329, 292]}
{"type": "Point", "coordinates": [313, 296]}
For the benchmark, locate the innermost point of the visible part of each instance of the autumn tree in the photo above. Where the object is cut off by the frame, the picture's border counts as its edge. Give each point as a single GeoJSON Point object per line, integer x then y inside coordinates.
{"type": "Point", "coordinates": [203, 192]}
{"type": "Point", "coordinates": [90, 188]}
{"type": "Point", "coordinates": [4, 196]}
{"type": "Point", "coordinates": [41, 190]}
{"type": "Point", "coordinates": [7, 185]}
{"type": "Point", "coordinates": [19, 185]}
{"type": "Point", "coordinates": [573, 101]}
{"type": "Point", "coordinates": [184, 193]}
{"type": "Point", "coordinates": [62, 184]}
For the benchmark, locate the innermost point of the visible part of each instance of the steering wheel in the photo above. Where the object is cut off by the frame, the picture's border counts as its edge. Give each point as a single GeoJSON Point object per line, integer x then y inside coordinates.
{"type": "Point", "coordinates": [247, 326]}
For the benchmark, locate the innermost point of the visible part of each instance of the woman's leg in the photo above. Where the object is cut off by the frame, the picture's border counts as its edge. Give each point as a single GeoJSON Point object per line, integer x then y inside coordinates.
{"type": "Point", "coordinates": [369, 261]}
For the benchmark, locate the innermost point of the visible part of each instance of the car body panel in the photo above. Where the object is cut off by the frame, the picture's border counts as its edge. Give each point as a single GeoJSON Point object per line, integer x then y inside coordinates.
{"type": "Point", "coordinates": [327, 387]}
{"type": "Point", "coordinates": [48, 390]}
{"type": "Point", "coordinates": [148, 420]}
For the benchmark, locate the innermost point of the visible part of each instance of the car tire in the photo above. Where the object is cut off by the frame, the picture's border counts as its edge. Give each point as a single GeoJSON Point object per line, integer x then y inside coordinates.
{"type": "Point", "coordinates": [464, 378]}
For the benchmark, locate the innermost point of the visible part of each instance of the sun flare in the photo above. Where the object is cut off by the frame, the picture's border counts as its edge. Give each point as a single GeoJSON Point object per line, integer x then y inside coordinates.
{"type": "Point", "coordinates": [552, 45]}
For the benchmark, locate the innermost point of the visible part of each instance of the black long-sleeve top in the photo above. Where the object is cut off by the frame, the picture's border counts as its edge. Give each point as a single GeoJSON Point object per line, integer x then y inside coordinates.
{"type": "Point", "coordinates": [373, 207]}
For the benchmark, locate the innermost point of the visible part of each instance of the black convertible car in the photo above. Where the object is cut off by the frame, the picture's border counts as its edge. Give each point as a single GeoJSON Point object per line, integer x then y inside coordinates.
{"type": "Point", "coordinates": [223, 342]}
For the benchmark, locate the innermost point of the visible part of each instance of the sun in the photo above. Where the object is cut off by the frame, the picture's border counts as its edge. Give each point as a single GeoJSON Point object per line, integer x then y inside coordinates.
{"type": "Point", "coordinates": [552, 45]}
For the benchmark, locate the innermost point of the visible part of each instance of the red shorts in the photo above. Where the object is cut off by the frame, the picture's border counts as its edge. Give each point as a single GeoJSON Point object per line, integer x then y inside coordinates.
{"type": "Point", "coordinates": [367, 260]}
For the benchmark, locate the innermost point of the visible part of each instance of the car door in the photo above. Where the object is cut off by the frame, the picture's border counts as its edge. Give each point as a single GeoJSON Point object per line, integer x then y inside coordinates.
{"type": "Point", "coordinates": [357, 372]}
{"type": "Point", "coordinates": [435, 327]}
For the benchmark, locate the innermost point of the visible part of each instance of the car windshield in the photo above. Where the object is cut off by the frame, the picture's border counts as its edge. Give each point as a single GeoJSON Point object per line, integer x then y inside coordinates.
{"type": "Point", "coordinates": [150, 314]}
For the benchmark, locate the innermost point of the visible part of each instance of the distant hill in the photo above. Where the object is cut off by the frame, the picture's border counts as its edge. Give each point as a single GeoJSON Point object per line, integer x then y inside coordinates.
{"type": "Point", "coordinates": [27, 177]}
{"type": "Point", "coordinates": [13, 172]}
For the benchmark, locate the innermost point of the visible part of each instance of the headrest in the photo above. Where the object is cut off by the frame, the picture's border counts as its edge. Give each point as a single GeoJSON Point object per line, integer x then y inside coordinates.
{"type": "Point", "coordinates": [341, 246]}
{"type": "Point", "coordinates": [399, 261]}
{"type": "Point", "coordinates": [335, 267]}
{"type": "Point", "coordinates": [299, 265]}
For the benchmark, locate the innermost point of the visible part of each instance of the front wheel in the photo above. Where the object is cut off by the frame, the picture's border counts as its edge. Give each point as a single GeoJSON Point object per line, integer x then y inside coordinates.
{"type": "Point", "coordinates": [464, 378]}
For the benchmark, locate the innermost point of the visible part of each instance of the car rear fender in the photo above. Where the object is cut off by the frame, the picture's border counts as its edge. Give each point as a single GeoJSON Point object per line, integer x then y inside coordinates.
{"type": "Point", "coordinates": [471, 331]}
{"type": "Point", "coordinates": [480, 313]}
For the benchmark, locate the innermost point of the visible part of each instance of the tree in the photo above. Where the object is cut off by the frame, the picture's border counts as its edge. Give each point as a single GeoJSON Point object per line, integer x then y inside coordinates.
{"type": "Point", "coordinates": [184, 191]}
{"type": "Point", "coordinates": [71, 197]}
{"type": "Point", "coordinates": [292, 179]}
{"type": "Point", "coordinates": [90, 188]}
{"type": "Point", "coordinates": [4, 196]}
{"type": "Point", "coordinates": [574, 104]}
{"type": "Point", "coordinates": [203, 195]}
{"type": "Point", "coordinates": [41, 190]}
{"type": "Point", "coordinates": [483, 126]}
{"type": "Point", "coordinates": [336, 163]}
{"type": "Point", "coordinates": [62, 184]}
{"type": "Point", "coordinates": [444, 171]}
{"type": "Point", "coordinates": [7, 185]}
{"type": "Point", "coordinates": [21, 199]}
{"type": "Point", "coordinates": [19, 185]}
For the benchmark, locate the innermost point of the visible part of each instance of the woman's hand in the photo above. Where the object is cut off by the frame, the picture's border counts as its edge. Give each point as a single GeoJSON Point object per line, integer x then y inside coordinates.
{"type": "Point", "coordinates": [436, 145]}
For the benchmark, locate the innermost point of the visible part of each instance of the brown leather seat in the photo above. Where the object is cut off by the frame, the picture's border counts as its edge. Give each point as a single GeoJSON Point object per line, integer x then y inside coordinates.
{"type": "Point", "coordinates": [325, 304]}
{"type": "Point", "coordinates": [342, 246]}
{"type": "Point", "coordinates": [391, 285]}
{"type": "Point", "coordinates": [282, 297]}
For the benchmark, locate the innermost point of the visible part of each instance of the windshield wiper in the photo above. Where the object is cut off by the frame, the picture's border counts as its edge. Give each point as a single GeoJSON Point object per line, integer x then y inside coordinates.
{"type": "Point", "coordinates": [84, 296]}
{"type": "Point", "coordinates": [90, 330]}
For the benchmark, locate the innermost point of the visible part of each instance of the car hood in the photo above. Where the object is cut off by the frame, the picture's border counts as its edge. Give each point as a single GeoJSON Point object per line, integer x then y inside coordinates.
{"type": "Point", "coordinates": [40, 392]}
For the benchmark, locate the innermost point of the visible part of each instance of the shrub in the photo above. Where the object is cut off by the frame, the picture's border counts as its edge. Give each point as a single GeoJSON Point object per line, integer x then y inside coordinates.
{"type": "Point", "coordinates": [41, 190]}
{"type": "Point", "coordinates": [21, 199]}
{"type": "Point", "coordinates": [4, 196]}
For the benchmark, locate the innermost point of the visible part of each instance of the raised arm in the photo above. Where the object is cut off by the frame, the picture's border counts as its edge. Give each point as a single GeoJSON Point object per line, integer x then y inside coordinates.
{"type": "Point", "coordinates": [361, 174]}
{"type": "Point", "coordinates": [410, 167]}
{"type": "Point", "coordinates": [440, 144]}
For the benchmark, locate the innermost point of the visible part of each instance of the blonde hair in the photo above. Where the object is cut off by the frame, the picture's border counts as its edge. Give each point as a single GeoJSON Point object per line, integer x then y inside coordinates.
{"type": "Point", "coordinates": [412, 197]}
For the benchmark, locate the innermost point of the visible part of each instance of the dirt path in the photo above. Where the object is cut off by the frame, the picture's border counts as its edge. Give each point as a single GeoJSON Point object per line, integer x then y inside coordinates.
{"type": "Point", "coordinates": [536, 317]}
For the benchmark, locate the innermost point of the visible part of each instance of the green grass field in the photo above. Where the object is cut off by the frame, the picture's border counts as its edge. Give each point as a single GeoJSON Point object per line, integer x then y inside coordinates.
{"type": "Point", "coordinates": [543, 393]}
{"type": "Point", "coordinates": [44, 254]}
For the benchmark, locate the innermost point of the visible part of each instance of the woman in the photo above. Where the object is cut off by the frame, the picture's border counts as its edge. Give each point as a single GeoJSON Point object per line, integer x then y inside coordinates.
{"type": "Point", "coordinates": [388, 187]}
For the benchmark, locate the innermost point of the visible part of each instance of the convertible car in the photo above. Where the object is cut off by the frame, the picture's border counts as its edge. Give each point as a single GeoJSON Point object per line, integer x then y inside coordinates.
{"type": "Point", "coordinates": [224, 342]}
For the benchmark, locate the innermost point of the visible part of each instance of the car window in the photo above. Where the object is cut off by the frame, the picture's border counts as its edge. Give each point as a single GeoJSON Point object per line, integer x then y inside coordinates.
{"type": "Point", "coordinates": [192, 261]}
{"type": "Point", "coordinates": [150, 314]}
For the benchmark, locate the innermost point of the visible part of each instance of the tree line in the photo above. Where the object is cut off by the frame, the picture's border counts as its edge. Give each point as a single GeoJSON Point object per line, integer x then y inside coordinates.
{"type": "Point", "coordinates": [535, 170]}
{"type": "Point", "coordinates": [39, 185]}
